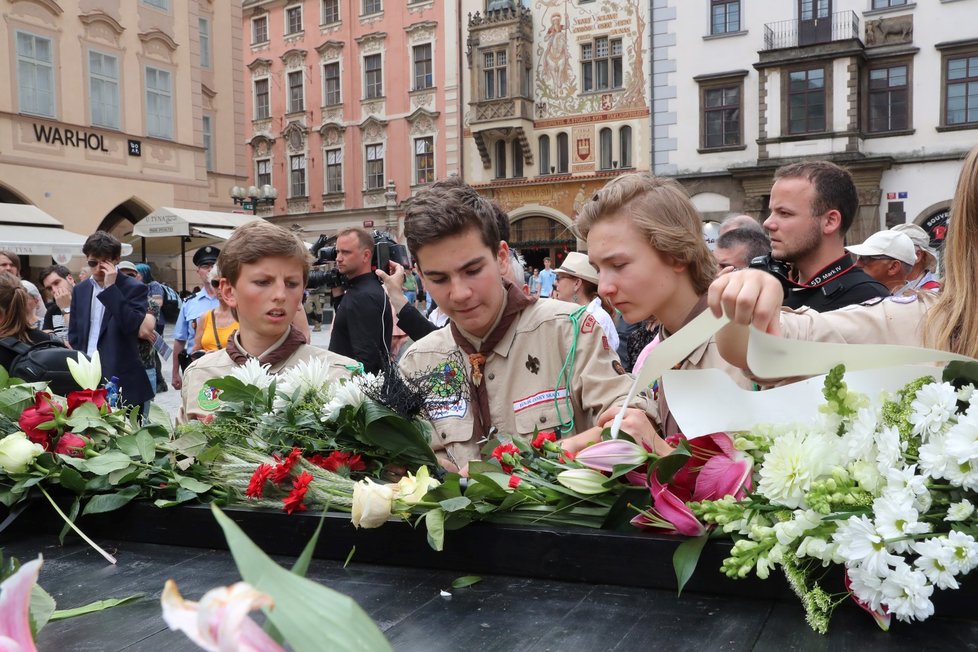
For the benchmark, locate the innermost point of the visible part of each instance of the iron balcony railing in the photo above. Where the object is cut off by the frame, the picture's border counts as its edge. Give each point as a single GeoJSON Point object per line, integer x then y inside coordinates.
{"type": "Point", "coordinates": [794, 33]}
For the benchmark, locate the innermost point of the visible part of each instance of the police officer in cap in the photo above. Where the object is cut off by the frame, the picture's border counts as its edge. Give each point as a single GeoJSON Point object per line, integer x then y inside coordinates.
{"type": "Point", "coordinates": [195, 306]}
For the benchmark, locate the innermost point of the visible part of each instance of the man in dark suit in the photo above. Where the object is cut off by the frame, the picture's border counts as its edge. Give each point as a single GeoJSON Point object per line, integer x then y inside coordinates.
{"type": "Point", "coordinates": [107, 311]}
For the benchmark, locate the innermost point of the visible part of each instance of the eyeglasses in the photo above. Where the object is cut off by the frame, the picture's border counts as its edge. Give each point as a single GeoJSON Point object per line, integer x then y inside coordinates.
{"type": "Point", "coordinates": [866, 259]}
{"type": "Point", "coordinates": [215, 283]}
{"type": "Point", "coordinates": [92, 262]}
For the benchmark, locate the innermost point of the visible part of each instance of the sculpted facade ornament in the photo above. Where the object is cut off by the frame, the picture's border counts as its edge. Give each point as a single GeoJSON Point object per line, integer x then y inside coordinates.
{"type": "Point", "coordinates": [330, 50]}
{"type": "Point", "coordinates": [158, 45]}
{"type": "Point", "coordinates": [888, 31]}
{"type": "Point", "coordinates": [295, 137]}
{"type": "Point", "coordinates": [373, 129]}
{"type": "Point", "coordinates": [372, 42]}
{"type": "Point", "coordinates": [294, 58]}
{"type": "Point", "coordinates": [261, 146]}
{"type": "Point", "coordinates": [260, 67]}
{"type": "Point", "coordinates": [99, 26]}
{"type": "Point", "coordinates": [423, 122]}
{"type": "Point", "coordinates": [421, 32]}
{"type": "Point", "coordinates": [332, 133]}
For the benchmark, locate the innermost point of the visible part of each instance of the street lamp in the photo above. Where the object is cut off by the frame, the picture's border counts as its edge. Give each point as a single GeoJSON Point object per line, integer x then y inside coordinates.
{"type": "Point", "coordinates": [253, 197]}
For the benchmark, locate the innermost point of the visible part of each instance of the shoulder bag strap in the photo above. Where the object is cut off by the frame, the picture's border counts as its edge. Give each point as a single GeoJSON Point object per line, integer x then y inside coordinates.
{"type": "Point", "coordinates": [217, 338]}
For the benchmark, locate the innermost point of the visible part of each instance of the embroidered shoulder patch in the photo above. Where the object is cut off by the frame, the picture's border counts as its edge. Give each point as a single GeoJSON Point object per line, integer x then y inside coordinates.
{"type": "Point", "coordinates": [208, 398]}
{"type": "Point", "coordinates": [906, 299]}
{"type": "Point", "coordinates": [872, 302]}
{"type": "Point", "coordinates": [588, 324]}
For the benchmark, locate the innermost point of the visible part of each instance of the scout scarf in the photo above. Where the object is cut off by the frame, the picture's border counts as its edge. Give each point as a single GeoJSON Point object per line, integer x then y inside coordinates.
{"type": "Point", "coordinates": [516, 302]}
{"type": "Point", "coordinates": [280, 353]}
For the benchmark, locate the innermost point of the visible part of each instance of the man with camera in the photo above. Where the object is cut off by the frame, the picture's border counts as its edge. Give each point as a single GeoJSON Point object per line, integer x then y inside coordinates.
{"type": "Point", "coordinates": [813, 204]}
{"type": "Point", "coordinates": [363, 324]}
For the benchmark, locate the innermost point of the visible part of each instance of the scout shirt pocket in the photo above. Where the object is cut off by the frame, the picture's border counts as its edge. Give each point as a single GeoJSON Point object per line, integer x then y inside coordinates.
{"type": "Point", "coordinates": [452, 420]}
{"type": "Point", "coordinates": [538, 411]}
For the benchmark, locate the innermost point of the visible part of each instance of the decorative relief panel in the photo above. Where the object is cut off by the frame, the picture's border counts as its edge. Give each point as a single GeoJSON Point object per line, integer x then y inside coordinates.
{"type": "Point", "coordinates": [330, 51]}
{"type": "Point", "coordinates": [493, 36]}
{"type": "Point", "coordinates": [260, 68]}
{"type": "Point", "coordinates": [374, 198]}
{"type": "Point", "coordinates": [295, 137]}
{"type": "Point", "coordinates": [294, 58]}
{"type": "Point", "coordinates": [99, 26]}
{"type": "Point", "coordinates": [371, 43]}
{"type": "Point", "coordinates": [372, 108]}
{"type": "Point", "coordinates": [422, 100]}
{"type": "Point", "coordinates": [333, 203]}
{"type": "Point", "coordinates": [421, 32]}
{"type": "Point", "coordinates": [158, 45]}
{"type": "Point", "coordinates": [422, 122]}
{"type": "Point", "coordinates": [298, 205]}
{"type": "Point", "coordinates": [888, 31]}
{"type": "Point", "coordinates": [373, 130]}
{"type": "Point", "coordinates": [41, 11]}
{"type": "Point", "coordinates": [262, 127]}
{"type": "Point", "coordinates": [332, 134]}
{"type": "Point", "coordinates": [261, 146]}
{"type": "Point", "coordinates": [334, 114]}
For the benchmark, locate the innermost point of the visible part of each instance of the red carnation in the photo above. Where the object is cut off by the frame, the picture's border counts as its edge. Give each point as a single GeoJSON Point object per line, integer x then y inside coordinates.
{"type": "Point", "coordinates": [40, 413]}
{"type": "Point", "coordinates": [283, 469]}
{"type": "Point", "coordinates": [71, 444]}
{"type": "Point", "coordinates": [514, 481]}
{"type": "Point", "coordinates": [543, 437]}
{"type": "Point", "coordinates": [82, 396]}
{"type": "Point", "coordinates": [506, 449]}
{"type": "Point", "coordinates": [340, 462]}
{"type": "Point", "coordinates": [293, 502]}
{"type": "Point", "coordinates": [258, 479]}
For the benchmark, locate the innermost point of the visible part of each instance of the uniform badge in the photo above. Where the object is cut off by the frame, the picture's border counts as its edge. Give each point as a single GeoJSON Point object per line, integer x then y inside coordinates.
{"type": "Point", "coordinates": [533, 364]}
{"type": "Point", "coordinates": [604, 343]}
{"type": "Point", "coordinates": [208, 398]}
{"type": "Point", "coordinates": [448, 380]}
{"type": "Point", "coordinates": [588, 324]}
{"type": "Point", "coordinates": [618, 367]}
{"type": "Point", "coordinates": [910, 298]}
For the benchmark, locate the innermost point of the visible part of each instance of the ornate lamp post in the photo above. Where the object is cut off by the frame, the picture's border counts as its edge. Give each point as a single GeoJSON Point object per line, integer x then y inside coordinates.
{"type": "Point", "coordinates": [253, 197]}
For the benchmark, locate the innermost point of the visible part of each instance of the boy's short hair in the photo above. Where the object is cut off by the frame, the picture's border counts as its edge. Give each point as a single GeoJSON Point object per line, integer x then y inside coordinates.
{"type": "Point", "coordinates": [661, 210]}
{"type": "Point", "coordinates": [104, 245]}
{"type": "Point", "coordinates": [448, 208]}
{"type": "Point", "coordinates": [363, 236]}
{"type": "Point", "coordinates": [256, 240]}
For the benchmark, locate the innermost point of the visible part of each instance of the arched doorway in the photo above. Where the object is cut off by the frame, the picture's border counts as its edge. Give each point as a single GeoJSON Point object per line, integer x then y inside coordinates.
{"type": "Point", "coordinates": [121, 219]}
{"type": "Point", "coordinates": [538, 237]}
{"type": "Point", "coordinates": [11, 196]}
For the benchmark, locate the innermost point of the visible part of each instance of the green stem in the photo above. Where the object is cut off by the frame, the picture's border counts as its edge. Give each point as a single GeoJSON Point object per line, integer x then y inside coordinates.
{"type": "Point", "coordinates": [74, 527]}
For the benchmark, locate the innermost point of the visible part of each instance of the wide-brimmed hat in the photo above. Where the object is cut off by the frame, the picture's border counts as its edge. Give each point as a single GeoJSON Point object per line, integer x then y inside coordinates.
{"type": "Point", "coordinates": [891, 244]}
{"type": "Point", "coordinates": [920, 240]}
{"type": "Point", "coordinates": [576, 264]}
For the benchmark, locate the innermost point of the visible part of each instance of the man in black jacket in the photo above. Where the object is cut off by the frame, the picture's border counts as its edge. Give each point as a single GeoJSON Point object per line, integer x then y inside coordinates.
{"type": "Point", "coordinates": [363, 325]}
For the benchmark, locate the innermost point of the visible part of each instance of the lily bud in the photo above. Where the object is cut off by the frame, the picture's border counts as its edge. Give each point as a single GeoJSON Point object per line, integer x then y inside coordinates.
{"type": "Point", "coordinates": [583, 481]}
{"type": "Point", "coordinates": [606, 455]}
{"type": "Point", "coordinates": [371, 503]}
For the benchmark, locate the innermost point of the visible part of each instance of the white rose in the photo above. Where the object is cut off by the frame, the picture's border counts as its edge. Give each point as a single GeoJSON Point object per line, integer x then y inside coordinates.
{"type": "Point", "coordinates": [17, 452]}
{"type": "Point", "coordinates": [371, 503]}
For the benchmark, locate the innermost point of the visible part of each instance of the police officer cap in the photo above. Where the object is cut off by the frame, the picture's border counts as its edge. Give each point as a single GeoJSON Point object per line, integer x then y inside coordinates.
{"type": "Point", "coordinates": [206, 256]}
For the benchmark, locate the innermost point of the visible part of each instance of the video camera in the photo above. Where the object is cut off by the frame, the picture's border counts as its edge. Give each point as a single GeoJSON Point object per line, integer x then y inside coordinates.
{"type": "Point", "coordinates": [386, 250]}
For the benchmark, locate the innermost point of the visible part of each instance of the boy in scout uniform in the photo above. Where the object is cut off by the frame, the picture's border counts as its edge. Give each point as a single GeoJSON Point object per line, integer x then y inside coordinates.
{"type": "Point", "coordinates": [527, 365]}
{"type": "Point", "coordinates": [265, 269]}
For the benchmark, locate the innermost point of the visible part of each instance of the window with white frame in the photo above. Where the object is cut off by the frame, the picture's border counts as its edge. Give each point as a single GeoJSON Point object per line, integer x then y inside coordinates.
{"type": "Point", "coordinates": [423, 71]}
{"type": "Point", "coordinates": [296, 92]}
{"type": "Point", "coordinates": [330, 11]}
{"type": "Point", "coordinates": [205, 129]}
{"type": "Point", "coordinates": [604, 148]}
{"type": "Point", "coordinates": [159, 103]}
{"type": "Point", "coordinates": [331, 84]}
{"type": "Point", "coordinates": [159, 4]}
{"type": "Point", "coordinates": [262, 102]}
{"type": "Point", "coordinates": [334, 170]}
{"type": "Point", "coordinates": [293, 19]}
{"type": "Point", "coordinates": [373, 77]}
{"type": "Point", "coordinates": [372, 7]}
{"type": "Point", "coordinates": [601, 64]}
{"type": "Point", "coordinates": [263, 172]}
{"type": "Point", "coordinates": [103, 89]}
{"type": "Point", "coordinates": [625, 147]}
{"type": "Point", "coordinates": [297, 176]}
{"type": "Point", "coordinates": [204, 27]}
{"type": "Point", "coordinates": [424, 160]}
{"type": "Point", "coordinates": [35, 74]}
{"type": "Point", "coordinates": [883, 4]}
{"type": "Point", "coordinates": [724, 16]}
{"type": "Point", "coordinates": [494, 74]}
{"type": "Point", "coordinates": [259, 29]}
{"type": "Point", "coordinates": [375, 167]}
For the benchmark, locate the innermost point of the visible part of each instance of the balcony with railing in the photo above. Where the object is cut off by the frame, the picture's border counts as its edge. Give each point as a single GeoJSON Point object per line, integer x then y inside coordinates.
{"type": "Point", "coordinates": [840, 26]}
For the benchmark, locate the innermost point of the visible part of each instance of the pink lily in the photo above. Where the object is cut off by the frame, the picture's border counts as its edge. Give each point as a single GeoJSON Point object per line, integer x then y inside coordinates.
{"type": "Point", "coordinates": [220, 622]}
{"type": "Point", "coordinates": [882, 617]}
{"type": "Point", "coordinates": [605, 455]}
{"type": "Point", "coordinates": [726, 472]}
{"type": "Point", "coordinates": [15, 607]}
{"type": "Point", "coordinates": [668, 513]}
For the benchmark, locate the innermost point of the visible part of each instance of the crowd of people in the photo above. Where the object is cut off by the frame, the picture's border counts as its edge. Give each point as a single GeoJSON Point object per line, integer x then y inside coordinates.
{"type": "Point", "coordinates": [522, 349]}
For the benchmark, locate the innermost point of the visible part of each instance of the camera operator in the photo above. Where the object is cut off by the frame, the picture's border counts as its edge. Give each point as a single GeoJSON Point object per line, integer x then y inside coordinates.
{"type": "Point", "coordinates": [363, 325]}
{"type": "Point", "coordinates": [813, 204]}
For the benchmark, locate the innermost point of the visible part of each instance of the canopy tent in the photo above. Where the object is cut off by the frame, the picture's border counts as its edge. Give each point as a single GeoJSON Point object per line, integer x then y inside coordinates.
{"type": "Point", "coordinates": [29, 231]}
{"type": "Point", "coordinates": [175, 231]}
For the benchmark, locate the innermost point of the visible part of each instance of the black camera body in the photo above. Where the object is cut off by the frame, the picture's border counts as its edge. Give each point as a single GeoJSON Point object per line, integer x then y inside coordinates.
{"type": "Point", "coordinates": [778, 269]}
{"type": "Point", "coordinates": [386, 249]}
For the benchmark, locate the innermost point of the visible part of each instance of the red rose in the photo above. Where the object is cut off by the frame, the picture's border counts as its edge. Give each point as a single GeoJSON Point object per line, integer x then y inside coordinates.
{"type": "Point", "coordinates": [543, 437]}
{"type": "Point", "coordinates": [283, 469]}
{"type": "Point", "coordinates": [293, 502]}
{"type": "Point", "coordinates": [40, 413]}
{"type": "Point", "coordinates": [514, 481]}
{"type": "Point", "coordinates": [71, 444]}
{"type": "Point", "coordinates": [503, 450]}
{"type": "Point", "coordinates": [82, 396]}
{"type": "Point", "coordinates": [258, 479]}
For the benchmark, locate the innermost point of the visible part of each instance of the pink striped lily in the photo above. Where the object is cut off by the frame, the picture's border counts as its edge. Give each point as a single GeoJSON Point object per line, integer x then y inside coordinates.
{"type": "Point", "coordinates": [606, 455]}
{"type": "Point", "coordinates": [15, 607]}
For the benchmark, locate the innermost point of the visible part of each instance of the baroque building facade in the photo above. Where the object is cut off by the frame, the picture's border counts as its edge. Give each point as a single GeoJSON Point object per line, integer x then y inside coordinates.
{"type": "Point", "coordinates": [556, 103]}
{"type": "Point", "coordinates": [887, 88]}
{"type": "Point", "coordinates": [111, 109]}
{"type": "Point", "coordinates": [351, 107]}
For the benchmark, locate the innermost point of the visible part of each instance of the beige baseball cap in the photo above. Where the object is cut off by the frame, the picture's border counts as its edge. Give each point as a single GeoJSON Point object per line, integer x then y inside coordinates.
{"type": "Point", "coordinates": [892, 244]}
{"type": "Point", "coordinates": [920, 240]}
{"type": "Point", "coordinates": [576, 264]}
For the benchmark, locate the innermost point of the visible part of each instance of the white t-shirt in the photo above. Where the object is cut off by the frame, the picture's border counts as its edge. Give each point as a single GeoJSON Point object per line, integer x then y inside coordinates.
{"type": "Point", "coordinates": [596, 310]}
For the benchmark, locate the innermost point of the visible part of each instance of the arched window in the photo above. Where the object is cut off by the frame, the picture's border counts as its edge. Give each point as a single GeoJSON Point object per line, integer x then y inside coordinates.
{"type": "Point", "coordinates": [543, 154]}
{"type": "Point", "coordinates": [604, 141]}
{"type": "Point", "coordinates": [517, 160]}
{"type": "Point", "coordinates": [625, 147]}
{"type": "Point", "coordinates": [500, 159]}
{"type": "Point", "coordinates": [563, 153]}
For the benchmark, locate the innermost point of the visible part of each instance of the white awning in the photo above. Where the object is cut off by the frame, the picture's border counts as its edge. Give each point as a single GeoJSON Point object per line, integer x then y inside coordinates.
{"type": "Point", "coordinates": [29, 231]}
{"type": "Point", "coordinates": [164, 222]}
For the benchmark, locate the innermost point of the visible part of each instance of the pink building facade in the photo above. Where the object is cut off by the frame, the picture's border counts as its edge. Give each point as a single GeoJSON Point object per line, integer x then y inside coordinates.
{"type": "Point", "coordinates": [346, 107]}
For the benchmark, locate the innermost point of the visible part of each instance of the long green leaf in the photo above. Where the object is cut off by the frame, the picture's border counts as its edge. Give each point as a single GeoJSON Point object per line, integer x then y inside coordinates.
{"type": "Point", "coordinates": [686, 557]}
{"type": "Point", "coordinates": [435, 524]}
{"type": "Point", "coordinates": [92, 607]}
{"type": "Point", "coordinates": [310, 616]}
{"type": "Point", "coordinates": [110, 502]}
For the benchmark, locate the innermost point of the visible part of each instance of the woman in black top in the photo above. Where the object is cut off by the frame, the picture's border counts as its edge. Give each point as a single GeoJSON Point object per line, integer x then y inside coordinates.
{"type": "Point", "coordinates": [16, 318]}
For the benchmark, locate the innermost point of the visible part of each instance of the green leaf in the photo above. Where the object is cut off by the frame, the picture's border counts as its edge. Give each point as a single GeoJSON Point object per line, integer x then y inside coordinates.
{"type": "Point", "coordinates": [455, 504]}
{"type": "Point", "coordinates": [349, 557]}
{"type": "Point", "coordinates": [42, 606]}
{"type": "Point", "coordinates": [84, 417]}
{"type": "Point", "coordinates": [235, 391]}
{"type": "Point", "coordinates": [194, 485]}
{"type": "Point", "coordinates": [93, 607]}
{"type": "Point", "coordinates": [127, 444]}
{"type": "Point", "coordinates": [686, 557]}
{"type": "Point", "coordinates": [960, 373]}
{"type": "Point", "coordinates": [107, 462]}
{"type": "Point", "coordinates": [405, 440]}
{"type": "Point", "coordinates": [110, 502]}
{"type": "Point", "coordinates": [15, 399]}
{"type": "Point", "coordinates": [434, 522]}
{"type": "Point", "coordinates": [71, 480]}
{"type": "Point", "coordinates": [147, 447]}
{"type": "Point", "coordinates": [4, 377]}
{"type": "Point", "coordinates": [312, 617]}
{"type": "Point", "coordinates": [467, 580]}
{"type": "Point", "coordinates": [666, 467]}
{"type": "Point", "coordinates": [124, 476]}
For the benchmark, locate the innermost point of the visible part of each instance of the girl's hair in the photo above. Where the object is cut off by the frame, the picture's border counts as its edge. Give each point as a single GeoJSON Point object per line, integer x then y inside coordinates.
{"type": "Point", "coordinates": [661, 210]}
{"type": "Point", "coordinates": [952, 324]}
{"type": "Point", "coordinates": [15, 318]}
{"type": "Point", "coordinates": [145, 272]}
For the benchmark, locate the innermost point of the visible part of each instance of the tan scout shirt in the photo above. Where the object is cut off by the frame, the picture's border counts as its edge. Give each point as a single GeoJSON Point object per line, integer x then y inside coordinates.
{"type": "Point", "coordinates": [521, 373]}
{"type": "Point", "coordinates": [894, 320]}
{"type": "Point", "coordinates": [198, 399]}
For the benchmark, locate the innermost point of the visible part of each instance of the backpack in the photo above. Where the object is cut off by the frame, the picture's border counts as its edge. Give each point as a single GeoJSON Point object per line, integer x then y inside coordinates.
{"type": "Point", "coordinates": [44, 361]}
{"type": "Point", "coordinates": [171, 304]}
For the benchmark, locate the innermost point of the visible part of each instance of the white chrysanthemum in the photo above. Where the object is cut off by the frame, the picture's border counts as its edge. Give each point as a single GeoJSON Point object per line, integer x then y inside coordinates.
{"type": "Point", "coordinates": [935, 562]}
{"type": "Point", "coordinates": [858, 442]}
{"type": "Point", "coordinates": [867, 474]}
{"type": "Point", "coordinates": [933, 457]}
{"type": "Point", "coordinates": [890, 449]}
{"type": "Point", "coordinates": [896, 518]}
{"type": "Point", "coordinates": [908, 594]}
{"type": "Point", "coordinates": [959, 511]}
{"type": "Point", "coordinates": [792, 464]}
{"type": "Point", "coordinates": [253, 373]}
{"type": "Point", "coordinates": [961, 446]}
{"type": "Point", "coordinates": [932, 408]}
{"type": "Point", "coordinates": [312, 374]}
{"type": "Point", "coordinates": [866, 586]}
{"type": "Point", "coordinates": [905, 480]}
{"type": "Point", "coordinates": [862, 546]}
{"type": "Point", "coordinates": [966, 393]}
{"type": "Point", "coordinates": [965, 552]}
{"type": "Point", "coordinates": [347, 392]}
